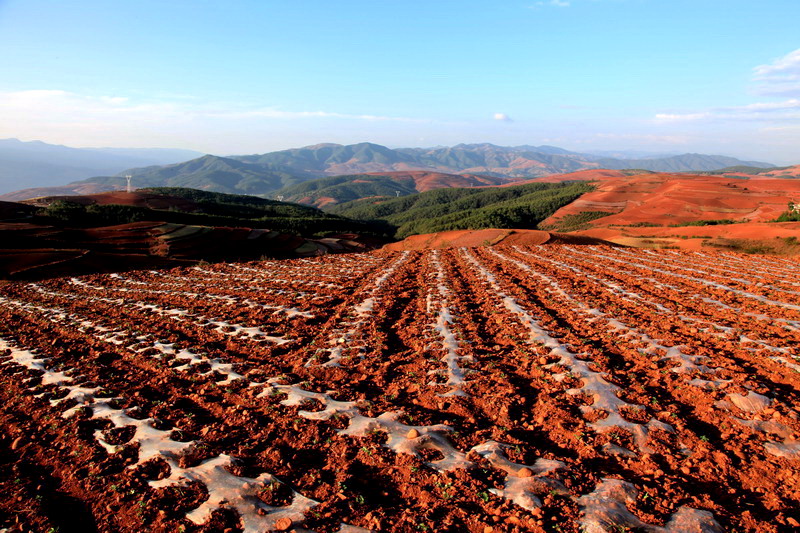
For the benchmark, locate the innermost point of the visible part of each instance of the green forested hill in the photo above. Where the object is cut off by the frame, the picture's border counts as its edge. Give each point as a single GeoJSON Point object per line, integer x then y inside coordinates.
{"type": "Point", "coordinates": [522, 206]}
{"type": "Point", "coordinates": [212, 173]}
{"type": "Point", "coordinates": [347, 188]}
{"type": "Point", "coordinates": [206, 209]}
{"type": "Point", "coordinates": [340, 189]}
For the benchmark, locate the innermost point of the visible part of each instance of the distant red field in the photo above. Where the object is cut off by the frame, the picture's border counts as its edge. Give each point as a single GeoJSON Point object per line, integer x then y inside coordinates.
{"type": "Point", "coordinates": [665, 199]}
{"type": "Point", "coordinates": [484, 237]}
{"type": "Point", "coordinates": [136, 198]}
{"type": "Point", "coordinates": [506, 388]}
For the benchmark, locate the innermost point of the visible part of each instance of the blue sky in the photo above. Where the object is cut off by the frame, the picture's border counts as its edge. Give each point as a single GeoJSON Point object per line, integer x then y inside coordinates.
{"type": "Point", "coordinates": [713, 76]}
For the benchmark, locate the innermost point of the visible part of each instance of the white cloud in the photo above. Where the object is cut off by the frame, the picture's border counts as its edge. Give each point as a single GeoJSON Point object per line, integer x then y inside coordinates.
{"type": "Point", "coordinates": [781, 77]}
{"type": "Point", "coordinates": [502, 117]}
{"type": "Point", "coordinates": [554, 3]}
{"type": "Point", "coordinates": [770, 112]}
{"type": "Point", "coordinates": [672, 117]}
{"type": "Point", "coordinates": [75, 119]}
{"type": "Point", "coordinates": [763, 107]}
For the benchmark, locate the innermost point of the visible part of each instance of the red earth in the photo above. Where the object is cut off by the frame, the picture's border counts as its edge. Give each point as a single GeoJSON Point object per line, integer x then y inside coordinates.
{"type": "Point", "coordinates": [31, 251]}
{"type": "Point", "coordinates": [789, 172]}
{"type": "Point", "coordinates": [486, 237]}
{"type": "Point", "coordinates": [653, 210]}
{"type": "Point", "coordinates": [665, 199]}
{"type": "Point", "coordinates": [781, 236]}
{"type": "Point", "coordinates": [136, 198]}
{"type": "Point", "coordinates": [496, 389]}
{"type": "Point", "coordinates": [66, 190]}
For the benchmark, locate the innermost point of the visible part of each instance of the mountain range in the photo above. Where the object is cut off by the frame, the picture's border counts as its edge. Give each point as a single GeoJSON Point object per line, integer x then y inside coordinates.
{"type": "Point", "coordinates": [262, 174]}
{"type": "Point", "coordinates": [34, 163]}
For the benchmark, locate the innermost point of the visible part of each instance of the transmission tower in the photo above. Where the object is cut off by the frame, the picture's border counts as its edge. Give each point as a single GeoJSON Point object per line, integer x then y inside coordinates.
{"type": "Point", "coordinates": [128, 179]}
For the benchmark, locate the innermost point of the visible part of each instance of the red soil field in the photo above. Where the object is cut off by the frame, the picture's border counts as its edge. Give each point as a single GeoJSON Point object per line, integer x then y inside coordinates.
{"type": "Point", "coordinates": [697, 237]}
{"type": "Point", "coordinates": [665, 199]}
{"type": "Point", "coordinates": [66, 190]}
{"type": "Point", "coordinates": [484, 237]}
{"type": "Point", "coordinates": [137, 199]}
{"type": "Point", "coordinates": [790, 172]}
{"type": "Point", "coordinates": [30, 251]}
{"type": "Point", "coordinates": [507, 388]}
{"type": "Point", "coordinates": [580, 175]}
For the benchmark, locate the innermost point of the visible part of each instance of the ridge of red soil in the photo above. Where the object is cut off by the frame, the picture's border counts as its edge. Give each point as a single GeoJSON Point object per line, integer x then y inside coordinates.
{"type": "Point", "coordinates": [136, 199]}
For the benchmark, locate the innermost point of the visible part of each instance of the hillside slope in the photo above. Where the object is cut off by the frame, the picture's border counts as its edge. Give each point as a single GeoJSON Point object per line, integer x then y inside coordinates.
{"type": "Point", "coordinates": [680, 210]}
{"type": "Point", "coordinates": [665, 199]}
{"type": "Point", "coordinates": [326, 192]}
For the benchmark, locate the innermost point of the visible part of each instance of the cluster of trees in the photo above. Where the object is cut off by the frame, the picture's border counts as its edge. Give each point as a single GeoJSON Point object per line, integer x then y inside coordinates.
{"type": "Point", "coordinates": [792, 215]}
{"type": "Point", "coordinates": [717, 222]}
{"type": "Point", "coordinates": [522, 206]}
{"type": "Point", "coordinates": [576, 222]}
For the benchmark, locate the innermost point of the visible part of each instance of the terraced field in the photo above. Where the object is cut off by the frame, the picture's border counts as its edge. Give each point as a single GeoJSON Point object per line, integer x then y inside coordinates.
{"type": "Point", "coordinates": [517, 388]}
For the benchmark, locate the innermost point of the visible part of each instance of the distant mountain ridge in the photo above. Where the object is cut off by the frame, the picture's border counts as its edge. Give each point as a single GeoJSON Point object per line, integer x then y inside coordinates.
{"type": "Point", "coordinates": [262, 174]}
{"type": "Point", "coordinates": [501, 161]}
{"type": "Point", "coordinates": [35, 163]}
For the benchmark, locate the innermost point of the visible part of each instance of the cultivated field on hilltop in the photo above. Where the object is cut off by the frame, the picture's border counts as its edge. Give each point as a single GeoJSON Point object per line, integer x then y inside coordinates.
{"type": "Point", "coordinates": [513, 388]}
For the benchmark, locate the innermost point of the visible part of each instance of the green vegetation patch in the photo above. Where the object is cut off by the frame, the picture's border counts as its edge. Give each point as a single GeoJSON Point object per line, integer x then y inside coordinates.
{"type": "Point", "coordinates": [718, 222]}
{"type": "Point", "coordinates": [792, 215]}
{"type": "Point", "coordinates": [576, 222]}
{"type": "Point", "coordinates": [348, 188]}
{"type": "Point", "coordinates": [186, 232]}
{"type": "Point", "coordinates": [522, 206]}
